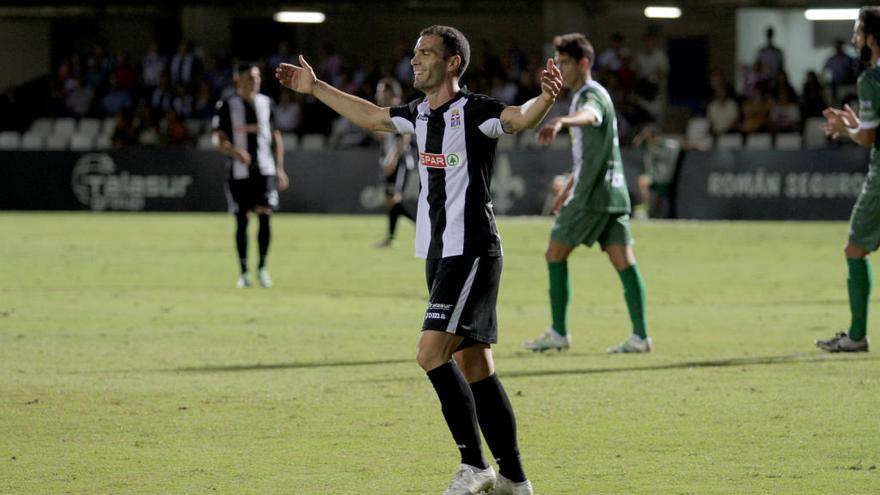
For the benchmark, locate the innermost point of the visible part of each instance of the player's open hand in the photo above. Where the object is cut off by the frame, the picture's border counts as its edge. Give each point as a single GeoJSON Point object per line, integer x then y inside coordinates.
{"type": "Point", "coordinates": [548, 133]}
{"type": "Point", "coordinates": [551, 80]}
{"type": "Point", "coordinates": [300, 78]}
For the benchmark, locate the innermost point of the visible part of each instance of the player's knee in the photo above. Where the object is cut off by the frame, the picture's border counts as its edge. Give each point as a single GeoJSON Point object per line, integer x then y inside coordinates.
{"type": "Point", "coordinates": [853, 251]}
{"type": "Point", "coordinates": [473, 371]}
{"type": "Point", "coordinates": [429, 359]}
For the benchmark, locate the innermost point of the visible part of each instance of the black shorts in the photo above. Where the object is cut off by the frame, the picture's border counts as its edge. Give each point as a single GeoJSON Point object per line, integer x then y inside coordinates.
{"type": "Point", "coordinates": [464, 293]}
{"type": "Point", "coordinates": [248, 194]}
{"type": "Point", "coordinates": [396, 181]}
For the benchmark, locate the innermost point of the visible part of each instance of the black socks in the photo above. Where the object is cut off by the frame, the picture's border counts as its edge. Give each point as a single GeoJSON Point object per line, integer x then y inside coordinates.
{"type": "Point", "coordinates": [499, 426]}
{"type": "Point", "coordinates": [241, 242]}
{"type": "Point", "coordinates": [263, 237]}
{"type": "Point", "coordinates": [457, 404]}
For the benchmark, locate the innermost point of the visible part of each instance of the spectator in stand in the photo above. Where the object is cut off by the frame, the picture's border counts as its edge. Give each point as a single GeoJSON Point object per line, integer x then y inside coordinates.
{"type": "Point", "coordinates": [98, 68]}
{"type": "Point", "coordinates": [185, 66]}
{"type": "Point", "coordinates": [125, 133]}
{"type": "Point", "coordinates": [183, 102]}
{"type": "Point", "coordinates": [281, 56]}
{"type": "Point", "coordinates": [611, 59]}
{"type": "Point", "coordinates": [148, 133]}
{"type": "Point", "coordinates": [402, 68]}
{"type": "Point", "coordinates": [840, 69]}
{"type": "Point", "coordinates": [517, 61]}
{"type": "Point", "coordinates": [288, 112]}
{"type": "Point", "coordinates": [218, 73]}
{"type": "Point", "coordinates": [813, 100]}
{"type": "Point", "coordinates": [652, 70]}
{"type": "Point", "coordinates": [203, 104]}
{"type": "Point", "coordinates": [785, 112]}
{"type": "Point", "coordinates": [153, 64]}
{"type": "Point", "coordinates": [723, 110]}
{"type": "Point", "coordinates": [503, 90]}
{"type": "Point", "coordinates": [783, 82]}
{"type": "Point", "coordinates": [772, 61]}
{"type": "Point", "coordinates": [160, 100]}
{"type": "Point", "coordinates": [127, 77]}
{"type": "Point", "coordinates": [116, 100]}
{"type": "Point", "coordinates": [330, 67]}
{"type": "Point", "coordinates": [173, 132]}
{"type": "Point", "coordinates": [755, 111]}
{"type": "Point", "coordinates": [79, 98]}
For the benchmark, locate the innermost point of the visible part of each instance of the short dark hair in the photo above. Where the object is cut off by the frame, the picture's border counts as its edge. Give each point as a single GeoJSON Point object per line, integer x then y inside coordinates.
{"type": "Point", "coordinates": [454, 43]}
{"type": "Point", "coordinates": [241, 67]}
{"type": "Point", "coordinates": [870, 19]}
{"type": "Point", "coordinates": [574, 45]}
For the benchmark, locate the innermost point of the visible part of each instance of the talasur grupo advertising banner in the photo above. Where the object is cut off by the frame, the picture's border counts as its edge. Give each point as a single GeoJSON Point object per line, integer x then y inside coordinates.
{"type": "Point", "coordinates": [140, 179]}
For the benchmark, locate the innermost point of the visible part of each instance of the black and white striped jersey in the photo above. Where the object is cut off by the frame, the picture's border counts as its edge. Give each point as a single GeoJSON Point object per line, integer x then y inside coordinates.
{"type": "Point", "coordinates": [248, 124]}
{"type": "Point", "coordinates": [456, 144]}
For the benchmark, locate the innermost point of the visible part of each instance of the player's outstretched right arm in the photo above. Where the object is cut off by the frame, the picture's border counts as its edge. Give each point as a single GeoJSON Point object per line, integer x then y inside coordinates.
{"type": "Point", "coordinates": [301, 78]}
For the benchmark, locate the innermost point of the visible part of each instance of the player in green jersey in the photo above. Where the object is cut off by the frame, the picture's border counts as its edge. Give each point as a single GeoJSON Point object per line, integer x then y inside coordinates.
{"type": "Point", "coordinates": [594, 204]}
{"type": "Point", "coordinates": [864, 222]}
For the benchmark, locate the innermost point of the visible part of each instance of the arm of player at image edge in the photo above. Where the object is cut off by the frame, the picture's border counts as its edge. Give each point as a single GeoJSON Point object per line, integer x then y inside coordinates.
{"type": "Point", "coordinates": [839, 121]}
{"type": "Point", "coordinates": [280, 174]}
{"type": "Point", "coordinates": [222, 144]}
{"type": "Point", "coordinates": [531, 113]}
{"type": "Point", "coordinates": [301, 78]}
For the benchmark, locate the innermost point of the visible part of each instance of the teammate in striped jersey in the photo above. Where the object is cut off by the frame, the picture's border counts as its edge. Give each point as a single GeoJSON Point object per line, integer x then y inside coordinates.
{"type": "Point", "coordinates": [456, 134]}
{"type": "Point", "coordinates": [594, 205]}
{"type": "Point", "coordinates": [396, 160]}
{"type": "Point", "coordinates": [243, 131]}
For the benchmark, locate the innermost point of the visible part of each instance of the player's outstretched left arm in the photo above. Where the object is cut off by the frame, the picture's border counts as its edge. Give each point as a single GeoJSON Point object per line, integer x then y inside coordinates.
{"type": "Point", "coordinates": [301, 78]}
{"type": "Point", "coordinates": [531, 113]}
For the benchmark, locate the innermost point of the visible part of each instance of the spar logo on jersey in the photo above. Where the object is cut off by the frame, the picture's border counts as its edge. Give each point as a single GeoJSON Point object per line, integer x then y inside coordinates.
{"type": "Point", "coordinates": [455, 119]}
{"type": "Point", "coordinates": [433, 160]}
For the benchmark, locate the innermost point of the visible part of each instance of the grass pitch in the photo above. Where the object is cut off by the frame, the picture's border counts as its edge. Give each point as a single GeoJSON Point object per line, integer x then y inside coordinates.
{"type": "Point", "coordinates": [130, 364]}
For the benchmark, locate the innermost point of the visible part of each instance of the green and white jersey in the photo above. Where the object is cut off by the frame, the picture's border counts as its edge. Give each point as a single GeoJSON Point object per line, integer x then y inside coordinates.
{"type": "Point", "coordinates": [869, 105]}
{"type": "Point", "coordinates": [598, 170]}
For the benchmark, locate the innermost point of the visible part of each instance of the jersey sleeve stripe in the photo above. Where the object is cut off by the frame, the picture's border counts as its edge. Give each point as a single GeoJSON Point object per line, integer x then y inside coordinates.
{"type": "Point", "coordinates": [492, 128]}
{"type": "Point", "coordinates": [403, 125]}
{"type": "Point", "coordinates": [597, 113]}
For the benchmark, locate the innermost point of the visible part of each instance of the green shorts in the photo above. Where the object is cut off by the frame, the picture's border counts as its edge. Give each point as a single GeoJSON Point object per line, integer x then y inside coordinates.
{"type": "Point", "coordinates": [864, 222]}
{"type": "Point", "coordinates": [576, 226]}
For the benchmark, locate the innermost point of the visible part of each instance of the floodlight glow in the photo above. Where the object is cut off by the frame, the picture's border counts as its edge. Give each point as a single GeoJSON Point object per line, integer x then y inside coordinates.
{"type": "Point", "coordinates": [831, 14]}
{"type": "Point", "coordinates": [300, 17]}
{"type": "Point", "coordinates": [662, 12]}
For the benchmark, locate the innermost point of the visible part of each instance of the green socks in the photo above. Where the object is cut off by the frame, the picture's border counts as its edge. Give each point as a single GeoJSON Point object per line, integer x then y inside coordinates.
{"type": "Point", "coordinates": [560, 293]}
{"type": "Point", "coordinates": [634, 293]}
{"type": "Point", "coordinates": [859, 285]}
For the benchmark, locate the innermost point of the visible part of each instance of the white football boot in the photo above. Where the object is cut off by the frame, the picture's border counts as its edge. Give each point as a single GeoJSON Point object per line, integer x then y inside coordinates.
{"type": "Point", "coordinates": [243, 281]}
{"type": "Point", "coordinates": [634, 344]}
{"type": "Point", "coordinates": [504, 486]}
{"type": "Point", "coordinates": [470, 480]}
{"type": "Point", "coordinates": [842, 343]}
{"type": "Point", "coordinates": [264, 278]}
{"type": "Point", "coordinates": [548, 340]}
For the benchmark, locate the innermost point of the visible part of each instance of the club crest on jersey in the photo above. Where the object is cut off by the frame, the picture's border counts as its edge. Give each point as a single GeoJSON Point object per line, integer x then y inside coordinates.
{"type": "Point", "coordinates": [455, 118]}
{"type": "Point", "coordinates": [432, 160]}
